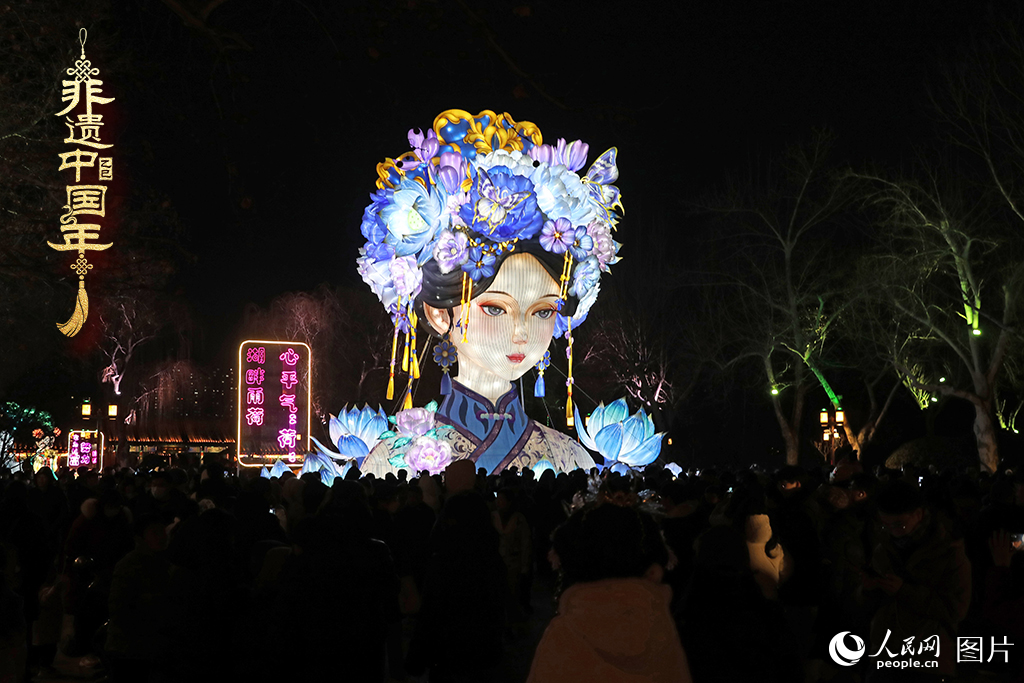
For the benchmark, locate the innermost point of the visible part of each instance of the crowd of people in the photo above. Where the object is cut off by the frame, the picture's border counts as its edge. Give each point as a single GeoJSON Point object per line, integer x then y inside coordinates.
{"type": "Point", "coordinates": [198, 572]}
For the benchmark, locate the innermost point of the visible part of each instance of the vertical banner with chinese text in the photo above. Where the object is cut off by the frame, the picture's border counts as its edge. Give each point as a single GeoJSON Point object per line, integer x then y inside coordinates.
{"type": "Point", "coordinates": [273, 402]}
{"type": "Point", "coordinates": [87, 197]}
{"type": "Point", "coordinates": [85, 449]}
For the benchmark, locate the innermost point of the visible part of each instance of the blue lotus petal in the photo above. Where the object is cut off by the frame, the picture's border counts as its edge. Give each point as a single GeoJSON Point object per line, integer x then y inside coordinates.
{"type": "Point", "coordinates": [346, 468]}
{"type": "Point", "coordinates": [324, 449]}
{"type": "Point", "coordinates": [366, 418]}
{"type": "Point", "coordinates": [648, 425]}
{"type": "Point", "coordinates": [620, 468]}
{"type": "Point", "coordinates": [539, 468]}
{"type": "Point", "coordinates": [632, 432]}
{"type": "Point", "coordinates": [325, 462]}
{"type": "Point", "coordinates": [278, 470]}
{"type": "Point", "coordinates": [617, 411]}
{"type": "Point", "coordinates": [336, 428]}
{"type": "Point", "coordinates": [352, 447]}
{"type": "Point", "coordinates": [327, 477]}
{"type": "Point", "coordinates": [609, 441]}
{"type": "Point", "coordinates": [264, 473]}
{"type": "Point", "coordinates": [596, 420]}
{"type": "Point", "coordinates": [583, 431]}
{"type": "Point", "coordinates": [675, 469]}
{"type": "Point", "coordinates": [645, 453]}
{"type": "Point", "coordinates": [378, 424]}
{"type": "Point", "coordinates": [309, 465]}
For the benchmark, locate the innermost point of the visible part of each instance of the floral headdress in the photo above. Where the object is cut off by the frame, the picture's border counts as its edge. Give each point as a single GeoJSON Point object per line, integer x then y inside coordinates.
{"type": "Point", "coordinates": [468, 192]}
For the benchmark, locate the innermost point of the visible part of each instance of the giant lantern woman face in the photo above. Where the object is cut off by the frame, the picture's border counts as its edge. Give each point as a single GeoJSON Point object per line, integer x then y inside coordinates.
{"type": "Point", "coordinates": [492, 237]}
{"type": "Point", "coordinates": [511, 325]}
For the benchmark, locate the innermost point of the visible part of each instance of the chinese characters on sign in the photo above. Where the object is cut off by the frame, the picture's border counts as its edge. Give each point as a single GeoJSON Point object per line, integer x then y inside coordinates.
{"type": "Point", "coordinates": [85, 449]}
{"type": "Point", "coordinates": [273, 402]}
{"type": "Point", "coordinates": [87, 199]}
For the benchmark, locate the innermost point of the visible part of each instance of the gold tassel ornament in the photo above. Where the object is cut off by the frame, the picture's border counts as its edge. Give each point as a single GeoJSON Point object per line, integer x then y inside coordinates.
{"type": "Point", "coordinates": [77, 319]}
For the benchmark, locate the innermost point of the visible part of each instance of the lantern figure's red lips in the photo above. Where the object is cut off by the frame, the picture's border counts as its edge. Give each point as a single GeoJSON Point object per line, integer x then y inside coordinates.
{"type": "Point", "coordinates": [516, 358]}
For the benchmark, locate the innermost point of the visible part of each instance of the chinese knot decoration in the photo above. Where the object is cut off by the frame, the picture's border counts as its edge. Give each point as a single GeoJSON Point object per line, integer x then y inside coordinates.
{"type": "Point", "coordinates": [82, 93]}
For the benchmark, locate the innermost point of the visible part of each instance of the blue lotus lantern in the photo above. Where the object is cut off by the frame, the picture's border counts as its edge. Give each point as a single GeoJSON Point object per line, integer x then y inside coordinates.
{"type": "Point", "coordinates": [620, 437]}
{"type": "Point", "coordinates": [354, 433]}
{"type": "Point", "coordinates": [278, 470]}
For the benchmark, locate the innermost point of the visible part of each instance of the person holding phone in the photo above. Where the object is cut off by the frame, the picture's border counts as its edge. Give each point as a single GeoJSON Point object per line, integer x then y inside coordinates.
{"type": "Point", "coordinates": [920, 585]}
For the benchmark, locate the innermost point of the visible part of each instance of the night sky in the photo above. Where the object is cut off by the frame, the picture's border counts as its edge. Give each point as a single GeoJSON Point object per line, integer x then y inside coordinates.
{"type": "Point", "coordinates": [261, 127]}
{"type": "Point", "coordinates": [267, 151]}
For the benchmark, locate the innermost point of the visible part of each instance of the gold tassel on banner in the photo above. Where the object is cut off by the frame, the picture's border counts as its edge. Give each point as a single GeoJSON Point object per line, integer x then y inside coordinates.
{"type": "Point", "coordinates": [570, 421]}
{"type": "Point", "coordinates": [408, 398]}
{"type": "Point", "coordinates": [77, 319]}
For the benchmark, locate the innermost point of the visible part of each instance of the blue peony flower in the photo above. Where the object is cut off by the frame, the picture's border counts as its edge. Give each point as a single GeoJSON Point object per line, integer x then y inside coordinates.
{"type": "Point", "coordinates": [618, 436]}
{"type": "Point", "coordinates": [502, 206]}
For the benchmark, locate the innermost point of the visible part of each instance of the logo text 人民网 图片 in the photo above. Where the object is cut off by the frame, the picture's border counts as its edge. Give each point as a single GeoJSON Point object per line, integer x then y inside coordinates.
{"type": "Point", "coordinates": [905, 654]}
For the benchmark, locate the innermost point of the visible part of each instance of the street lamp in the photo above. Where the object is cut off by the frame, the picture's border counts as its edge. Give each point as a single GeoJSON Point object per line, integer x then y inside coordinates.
{"type": "Point", "coordinates": [86, 409]}
{"type": "Point", "coordinates": [830, 434]}
{"type": "Point", "coordinates": [112, 410]}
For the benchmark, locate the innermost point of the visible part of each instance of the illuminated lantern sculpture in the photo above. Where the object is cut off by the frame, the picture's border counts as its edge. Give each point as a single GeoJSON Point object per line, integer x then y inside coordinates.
{"type": "Point", "coordinates": [490, 240]}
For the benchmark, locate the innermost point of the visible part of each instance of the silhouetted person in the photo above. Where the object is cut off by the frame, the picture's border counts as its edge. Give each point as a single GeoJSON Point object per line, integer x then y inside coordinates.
{"type": "Point", "coordinates": [458, 635]}
{"type": "Point", "coordinates": [613, 623]}
{"type": "Point", "coordinates": [140, 606]}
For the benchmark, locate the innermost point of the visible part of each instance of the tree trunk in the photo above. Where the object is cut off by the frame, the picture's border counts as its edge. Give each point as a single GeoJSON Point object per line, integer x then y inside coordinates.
{"type": "Point", "coordinates": [985, 436]}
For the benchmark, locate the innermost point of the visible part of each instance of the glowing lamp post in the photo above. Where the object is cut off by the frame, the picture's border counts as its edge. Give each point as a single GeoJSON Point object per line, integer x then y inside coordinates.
{"type": "Point", "coordinates": [86, 409]}
{"type": "Point", "coordinates": [831, 435]}
{"type": "Point", "coordinates": [112, 411]}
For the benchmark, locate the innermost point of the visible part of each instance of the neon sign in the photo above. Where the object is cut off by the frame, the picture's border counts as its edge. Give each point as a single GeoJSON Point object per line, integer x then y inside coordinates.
{"type": "Point", "coordinates": [85, 449]}
{"type": "Point", "coordinates": [273, 402]}
{"type": "Point", "coordinates": [83, 199]}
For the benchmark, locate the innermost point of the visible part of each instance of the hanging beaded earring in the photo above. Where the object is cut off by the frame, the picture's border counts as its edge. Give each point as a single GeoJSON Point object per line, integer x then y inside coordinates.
{"type": "Point", "coordinates": [446, 355]}
{"type": "Point", "coordinates": [542, 364]}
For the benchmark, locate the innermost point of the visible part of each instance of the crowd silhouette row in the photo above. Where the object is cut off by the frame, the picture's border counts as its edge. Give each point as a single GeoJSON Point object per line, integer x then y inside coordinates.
{"type": "Point", "coordinates": [200, 573]}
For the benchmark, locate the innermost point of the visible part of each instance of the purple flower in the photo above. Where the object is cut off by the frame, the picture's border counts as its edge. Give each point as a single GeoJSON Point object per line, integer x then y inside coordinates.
{"type": "Point", "coordinates": [451, 171]}
{"type": "Point", "coordinates": [451, 250]}
{"type": "Point", "coordinates": [557, 236]}
{"type": "Point", "coordinates": [572, 155]}
{"type": "Point", "coordinates": [414, 422]}
{"type": "Point", "coordinates": [582, 244]}
{"type": "Point", "coordinates": [480, 264]}
{"type": "Point", "coordinates": [407, 276]}
{"type": "Point", "coordinates": [428, 454]}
